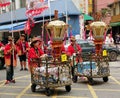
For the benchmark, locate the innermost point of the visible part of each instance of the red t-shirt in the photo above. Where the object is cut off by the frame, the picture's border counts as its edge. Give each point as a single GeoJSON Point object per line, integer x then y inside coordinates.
{"type": "Point", "coordinates": [33, 54]}
{"type": "Point", "coordinates": [71, 49]}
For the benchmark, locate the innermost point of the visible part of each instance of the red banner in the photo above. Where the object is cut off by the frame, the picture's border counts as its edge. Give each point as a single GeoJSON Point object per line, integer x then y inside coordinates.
{"type": "Point", "coordinates": [29, 25]}
{"type": "Point", "coordinates": [36, 7]}
{"type": "Point", "coordinates": [4, 3]}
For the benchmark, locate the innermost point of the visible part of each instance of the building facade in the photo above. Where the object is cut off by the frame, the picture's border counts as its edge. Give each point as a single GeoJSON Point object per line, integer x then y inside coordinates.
{"type": "Point", "coordinates": [100, 4]}
{"type": "Point", "coordinates": [115, 19]}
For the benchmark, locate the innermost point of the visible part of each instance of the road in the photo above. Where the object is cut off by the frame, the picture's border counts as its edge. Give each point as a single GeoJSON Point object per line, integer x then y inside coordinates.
{"type": "Point", "coordinates": [81, 89]}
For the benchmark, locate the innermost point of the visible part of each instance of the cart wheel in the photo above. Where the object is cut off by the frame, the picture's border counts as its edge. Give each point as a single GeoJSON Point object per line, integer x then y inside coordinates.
{"type": "Point", "coordinates": [105, 79]}
{"type": "Point", "coordinates": [48, 92]}
{"type": "Point", "coordinates": [68, 88]}
{"type": "Point", "coordinates": [75, 79]}
{"type": "Point", "coordinates": [91, 81]}
{"type": "Point", "coordinates": [33, 87]}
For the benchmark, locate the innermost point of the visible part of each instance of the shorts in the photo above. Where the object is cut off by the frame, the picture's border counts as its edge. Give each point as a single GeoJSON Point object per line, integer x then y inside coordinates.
{"type": "Point", "coordinates": [22, 57]}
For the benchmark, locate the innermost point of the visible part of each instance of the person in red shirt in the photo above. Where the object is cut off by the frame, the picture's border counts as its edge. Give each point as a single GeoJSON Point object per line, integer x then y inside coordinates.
{"type": "Point", "coordinates": [35, 51]}
{"type": "Point", "coordinates": [74, 48]}
{"type": "Point", "coordinates": [22, 48]}
{"type": "Point", "coordinates": [10, 60]}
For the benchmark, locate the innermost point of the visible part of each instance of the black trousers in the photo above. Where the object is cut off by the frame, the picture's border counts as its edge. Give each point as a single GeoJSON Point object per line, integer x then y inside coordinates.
{"type": "Point", "coordinates": [10, 71]}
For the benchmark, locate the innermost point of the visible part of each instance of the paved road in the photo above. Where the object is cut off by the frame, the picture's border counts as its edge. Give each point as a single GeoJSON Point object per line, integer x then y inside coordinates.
{"type": "Point", "coordinates": [81, 89]}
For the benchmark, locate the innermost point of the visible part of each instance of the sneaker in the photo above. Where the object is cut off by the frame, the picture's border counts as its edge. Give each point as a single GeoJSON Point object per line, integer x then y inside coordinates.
{"type": "Point", "coordinates": [21, 69]}
{"type": "Point", "coordinates": [12, 81]}
{"type": "Point", "coordinates": [7, 82]}
{"type": "Point", "coordinates": [26, 69]}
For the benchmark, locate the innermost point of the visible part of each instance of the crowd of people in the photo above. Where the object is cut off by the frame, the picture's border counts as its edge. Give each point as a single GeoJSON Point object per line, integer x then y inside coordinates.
{"type": "Point", "coordinates": [33, 49]}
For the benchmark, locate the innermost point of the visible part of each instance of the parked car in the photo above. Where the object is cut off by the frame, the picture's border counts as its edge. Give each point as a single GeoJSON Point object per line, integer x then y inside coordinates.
{"type": "Point", "coordinates": [90, 47]}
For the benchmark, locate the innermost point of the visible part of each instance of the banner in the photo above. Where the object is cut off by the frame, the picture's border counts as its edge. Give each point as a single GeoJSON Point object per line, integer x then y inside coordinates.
{"type": "Point", "coordinates": [36, 7]}
{"type": "Point", "coordinates": [4, 3]}
{"type": "Point", "coordinates": [29, 25]}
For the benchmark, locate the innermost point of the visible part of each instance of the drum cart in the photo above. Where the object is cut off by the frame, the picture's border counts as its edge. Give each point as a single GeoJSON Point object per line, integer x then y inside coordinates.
{"type": "Point", "coordinates": [50, 75]}
{"type": "Point", "coordinates": [94, 65]}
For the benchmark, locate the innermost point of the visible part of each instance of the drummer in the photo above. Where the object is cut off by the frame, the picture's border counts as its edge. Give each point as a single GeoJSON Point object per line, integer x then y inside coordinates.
{"type": "Point", "coordinates": [35, 51]}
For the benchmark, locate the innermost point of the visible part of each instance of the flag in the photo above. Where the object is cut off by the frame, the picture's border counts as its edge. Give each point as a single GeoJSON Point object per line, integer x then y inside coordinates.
{"type": "Point", "coordinates": [36, 7]}
{"type": "Point", "coordinates": [4, 3]}
{"type": "Point", "coordinates": [29, 25]}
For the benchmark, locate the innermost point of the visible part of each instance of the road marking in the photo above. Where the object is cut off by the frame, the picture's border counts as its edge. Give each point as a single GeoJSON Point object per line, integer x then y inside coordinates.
{"type": "Point", "coordinates": [15, 78]}
{"type": "Point", "coordinates": [2, 81]}
{"type": "Point", "coordinates": [13, 87]}
{"type": "Point", "coordinates": [2, 84]}
{"type": "Point", "coordinates": [79, 89]}
{"type": "Point", "coordinates": [116, 73]}
{"type": "Point", "coordinates": [108, 90]}
{"type": "Point", "coordinates": [34, 95]}
{"type": "Point", "coordinates": [71, 97]}
{"type": "Point", "coordinates": [8, 93]}
{"type": "Point", "coordinates": [22, 77]}
{"type": "Point", "coordinates": [92, 91]}
{"type": "Point", "coordinates": [22, 93]}
{"type": "Point", "coordinates": [115, 80]}
{"type": "Point", "coordinates": [19, 77]}
{"type": "Point", "coordinates": [23, 81]}
{"type": "Point", "coordinates": [55, 94]}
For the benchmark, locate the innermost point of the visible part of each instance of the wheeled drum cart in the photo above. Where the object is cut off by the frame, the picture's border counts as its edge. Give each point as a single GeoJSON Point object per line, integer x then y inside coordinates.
{"type": "Point", "coordinates": [93, 66]}
{"type": "Point", "coordinates": [49, 75]}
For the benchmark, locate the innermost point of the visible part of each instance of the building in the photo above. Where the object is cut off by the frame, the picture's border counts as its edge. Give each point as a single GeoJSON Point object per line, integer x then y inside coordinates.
{"type": "Point", "coordinates": [98, 9]}
{"type": "Point", "coordinates": [19, 18]}
{"type": "Point", "coordinates": [100, 4]}
{"type": "Point", "coordinates": [115, 19]}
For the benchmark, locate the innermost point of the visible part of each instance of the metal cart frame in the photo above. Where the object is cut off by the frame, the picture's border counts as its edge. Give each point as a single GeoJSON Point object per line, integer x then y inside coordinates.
{"type": "Point", "coordinates": [46, 81]}
{"type": "Point", "coordinates": [101, 63]}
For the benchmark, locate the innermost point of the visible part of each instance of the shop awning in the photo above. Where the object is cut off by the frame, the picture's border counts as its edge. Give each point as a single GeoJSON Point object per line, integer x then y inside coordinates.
{"type": "Point", "coordinates": [10, 27]}
{"type": "Point", "coordinates": [17, 28]}
{"type": "Point", "coordinates": [88, 17]}
{"type": "Point", "coordinates": [114, 24]}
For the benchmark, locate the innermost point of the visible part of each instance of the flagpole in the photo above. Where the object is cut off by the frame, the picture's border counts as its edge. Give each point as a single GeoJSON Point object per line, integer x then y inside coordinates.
{"type": "Point", "coordinates": [66, 6]}
{"type": "Point", "coordinates": [66, 11]}
{"type": "Point", "coordinates": [12, 31]}
{"type": "Point", "coordinates": [49, 8]}
{"type": "Point", "coordinates": [12, 17]}
{"type": "Point", "coordinates": [43, 27]}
